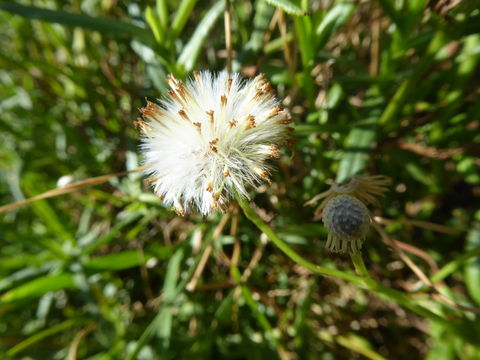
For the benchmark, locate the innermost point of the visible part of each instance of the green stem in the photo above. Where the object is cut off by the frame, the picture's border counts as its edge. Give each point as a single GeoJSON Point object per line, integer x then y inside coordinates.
{"type": "Point", "coordinates": [253, 217]}
{"type": "Point", "coordinates": [360, 267]}
{"type": "Point", "coordinates": [366, 282]}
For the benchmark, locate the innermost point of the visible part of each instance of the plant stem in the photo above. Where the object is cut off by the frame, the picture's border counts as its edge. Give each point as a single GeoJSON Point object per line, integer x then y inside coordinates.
{"type": "Point", "coordinates": [360, 267]}
{"type": "Point", "coordinates": [253, 217]}
{"type": "Point", "coordinates": [365, 282]}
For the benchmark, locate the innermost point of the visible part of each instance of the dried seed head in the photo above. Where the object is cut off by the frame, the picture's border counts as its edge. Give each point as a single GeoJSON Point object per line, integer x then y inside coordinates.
{"type": "Point", "coordinates": [347, 220]}
{"type": "Point", "coordinates": [365, 188]}
{"type": "Point", "coordinates": [343, 209]}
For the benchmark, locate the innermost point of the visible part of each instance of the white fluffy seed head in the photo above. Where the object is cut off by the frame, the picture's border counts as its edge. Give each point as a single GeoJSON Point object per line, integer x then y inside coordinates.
{"type": "Point", "coordinates": [347, 220]}
{"type": "Point", "coordinates": [210, 139]}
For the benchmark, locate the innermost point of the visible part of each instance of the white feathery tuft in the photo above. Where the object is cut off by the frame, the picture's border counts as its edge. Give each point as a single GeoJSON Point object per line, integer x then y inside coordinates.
{"type": "Point", "coordinates": [210, 139]}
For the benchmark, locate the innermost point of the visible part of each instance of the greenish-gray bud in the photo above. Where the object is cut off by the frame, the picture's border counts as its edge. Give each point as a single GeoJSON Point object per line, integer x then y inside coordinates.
{"type": "Point", "coordinates": [347, 220]}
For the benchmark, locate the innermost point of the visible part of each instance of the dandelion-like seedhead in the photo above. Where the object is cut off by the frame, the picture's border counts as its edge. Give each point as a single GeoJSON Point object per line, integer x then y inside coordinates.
{"type": "Point", "coordinates": [344, 210]}
{"type": "Point", "coordinates": [211, 139]}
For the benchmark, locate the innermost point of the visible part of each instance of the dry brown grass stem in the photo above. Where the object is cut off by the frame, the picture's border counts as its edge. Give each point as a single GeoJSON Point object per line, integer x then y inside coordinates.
{"type": "Point", "coordinates": [418, 223]}
{"type": "Point", "coordinates": [228, 34]}
{"type": "Point", "coordinates": [72, 351]}
{"type": "Point", "coordinates": [419, 273]}
{"type": "Point", "coordinates": [68, 189]}
{"type": "Point", "coordinates": [192, 284]}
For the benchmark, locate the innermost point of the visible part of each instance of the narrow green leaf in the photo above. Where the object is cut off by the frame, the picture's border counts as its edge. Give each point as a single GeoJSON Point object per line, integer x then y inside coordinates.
{"type": "Point", "coordinates": [253, 305]}
{"type": "Point", "coordinates": [358, 149]}
{"type": "Point", "coordinates": [171, 278]}
{"type": "Point", "coordinates": [181, 16]}
{"type": "Point", "coordinates": [51, 219]}
{"type": "Point", "coordinates": [113, 232]}
{"type": "Point", "coordinates": [472, 267]}
{"type": "Point", "coordinates": [162, 12]}
{"type": "Point", "coordinates": [287, 6]}
{"type": "Point", "coordinates": [394, 15]}
{"type": "Point", "coordinates": [38, 287]}
{"type": "Point", "coordinates": [389, 120]}
{"type": "Point", "coordinates": [40, 336]}
{"type": "Point", "coordinates": [154, 24]}
{"type": "Point", "coordinates": [188, 57]}
{"type": "Point", "coordinates": [261, 19]}
{"type": "Point", "coordinates": [104, 25]}
{"type": "Point", "coordinates": [163, 327]}
{"type": "Point", "coordinates": [453, 265]}
{"type": "Point", "coordinates": [332, 21]}
{"type": "Point", "coordinates": [115, 262]}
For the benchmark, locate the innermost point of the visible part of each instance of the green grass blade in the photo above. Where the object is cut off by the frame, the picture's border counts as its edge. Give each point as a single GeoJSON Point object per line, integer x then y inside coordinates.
{"type": "Point", "coordinates": [389, 120]}
{"type": "Point", "coordinates": [188, 57]}
{"type": "Point", "coordinates": [161, 324]}
{"type": "Point", "coordinates": [263, 15]}
{"type": "Point", "coordinates": [41, 335]}
{"type": "Point", "coordinates": [103, 25]}
{"type": "Point", "coordinates": [287, 6]}
{"type": "Point", "coordinates": [38, 287]}
{"type": "Point", "coordinates": [394, 15]}
{"type": "Point", "coordinates": [181, 16]}
{"type": "Point", "coordinates": [333, 20]}
{"type": "Point", "coordinates": [472, 267]}
{"type": "Point", "coordinates": [154, 24]}
{"type": "Point", "coordinates": [358, 149]}
{"type": "Point", "coordinates": [115, 262]}
{"type": "Point", "coordinates": [162, 13]}
{"type": "Point", "coordinates": [113, 232]}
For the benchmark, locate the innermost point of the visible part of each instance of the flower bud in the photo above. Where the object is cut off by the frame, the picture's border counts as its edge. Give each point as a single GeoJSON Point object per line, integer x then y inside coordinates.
{"type": "Point", "coordinates": [347, 220]}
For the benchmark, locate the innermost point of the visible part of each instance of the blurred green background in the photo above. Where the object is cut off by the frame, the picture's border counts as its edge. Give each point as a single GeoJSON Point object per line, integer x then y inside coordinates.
{"type": "Point", "coordinates": [106, 272]}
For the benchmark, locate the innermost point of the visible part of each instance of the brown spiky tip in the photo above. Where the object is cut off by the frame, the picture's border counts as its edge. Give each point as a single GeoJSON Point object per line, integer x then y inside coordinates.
{"type": "Point", "coordinates": [212, 145]}
{"type": "Point", "coordinates": [215, 203]}
{"type": "Point", "coordinates": [175, 97]}
{"type": "Point", "coordinates": [179, 208]}
{"type": "Point", "coordinates": [250, 120]}
{"type": "Point", "coordinates": [260, 79]}
{"type": "Point", "coordinates": [183, 114]}
{"type": "Point", "coordinates": [182, 91]}
{"type": "Point", "coordinates": [229, 84]}
{"type": "Point", "coordinates": [223, 100]}
{"type": "Point", "coordinates": [285, 121]}
{"type": "Point", "coordinates": [179, 211]}
{"type": "Point", "coordinates": [258, 94]}
{"type": "Point", "coordinates": [172, 81]}
{"type": "Point", "coordinates": [269, 89]}
{"type": "Point", "coordinates": [149, 110]}
{"type": "Point", "coordinates": [196, 75]}
{"type": "Point", "coordinates": [263, 174]}
{"type": "Point", "coordinates": [232, 123]}
{"type": "Point", "coordinates": [210, 114]}
{"type": "Point", "coordinates": [273, 151]}
{"type": "Point", "coordinates": [275, 111]}
{"type": "Point", "coordinates": [142, 126]}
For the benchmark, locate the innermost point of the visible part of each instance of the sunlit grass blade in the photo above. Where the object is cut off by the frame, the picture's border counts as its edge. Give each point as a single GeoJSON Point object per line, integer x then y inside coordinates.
{"type": "Point", "coordinates": [191, 51]}
{"type": "Point", "coordinates": [104, 25]}
{"type": "Point", "coordinates": [117, 229]}
{"type": "Point", "coordinates": [472, 267]}
{"type": "Point", "coordinates": [181, 16]}
{"type": "Point", "coordinates": [114, 262]}
{"type": "Point", "coordinates": [50, 331]}
{"type": "Point", "coordinates": [288, 6]}
{"type": "Point", "coordinates": [332, 21]}
{"type": "Point", "coordinates": [38, 287]}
